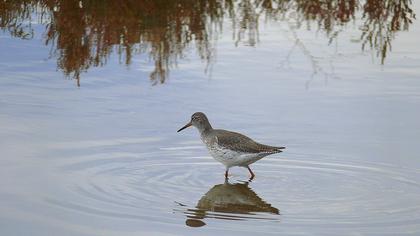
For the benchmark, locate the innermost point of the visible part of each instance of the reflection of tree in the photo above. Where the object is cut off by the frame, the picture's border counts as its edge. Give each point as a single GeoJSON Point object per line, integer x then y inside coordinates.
{"type": "Point", "coordinates": [328, 14]}
{"type": "Point", "coordinates": [85, 33]}
{"type": "Point", "coordinates": [382, 20]}
{"type": "Point", "coordinates": [247, 22]}
{"type": "Point", "coordinates": [13, 14]}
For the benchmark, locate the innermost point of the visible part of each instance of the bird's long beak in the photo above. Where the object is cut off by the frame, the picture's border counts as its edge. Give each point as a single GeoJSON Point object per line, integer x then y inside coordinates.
{"type": "Point", "coordinates": [186, 126]}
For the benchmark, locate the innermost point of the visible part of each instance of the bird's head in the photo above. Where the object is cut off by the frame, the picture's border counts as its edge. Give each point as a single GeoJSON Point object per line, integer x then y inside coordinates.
{"type": "Point", "coordinates": [198, 120]}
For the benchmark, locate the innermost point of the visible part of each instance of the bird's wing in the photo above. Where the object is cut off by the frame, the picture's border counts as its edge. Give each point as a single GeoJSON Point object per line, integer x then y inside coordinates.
{"type": "Point", "coordinates": [241, 143]}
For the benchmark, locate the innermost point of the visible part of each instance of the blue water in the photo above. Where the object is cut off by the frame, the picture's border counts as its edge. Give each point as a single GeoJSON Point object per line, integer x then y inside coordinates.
{"type": "Point", "coordinates": [105, 159]}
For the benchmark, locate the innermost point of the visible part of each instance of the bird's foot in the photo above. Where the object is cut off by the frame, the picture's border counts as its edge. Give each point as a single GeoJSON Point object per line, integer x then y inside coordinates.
{"type": "Point", "coordinates": [252, 174]}
{"type": "Point", "coordinates": [226, 175]}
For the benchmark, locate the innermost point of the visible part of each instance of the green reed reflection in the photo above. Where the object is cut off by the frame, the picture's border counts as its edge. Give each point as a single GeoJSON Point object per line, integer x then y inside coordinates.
{"type": "Point", "coordinates": [85, 33]}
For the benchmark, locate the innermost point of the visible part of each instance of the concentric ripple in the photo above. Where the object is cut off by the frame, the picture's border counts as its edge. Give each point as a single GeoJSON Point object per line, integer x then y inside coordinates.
{"type": "Point", "coordinates": [183, 184]}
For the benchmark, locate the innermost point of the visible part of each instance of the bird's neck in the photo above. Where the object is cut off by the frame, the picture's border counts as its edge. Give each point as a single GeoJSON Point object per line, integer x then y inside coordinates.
{"type": "Point", "coordinates": [205, 128]}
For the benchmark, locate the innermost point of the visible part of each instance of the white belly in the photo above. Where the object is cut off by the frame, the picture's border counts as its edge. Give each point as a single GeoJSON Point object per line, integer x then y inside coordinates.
{"type": "Point", "coordinates": [231, 158]}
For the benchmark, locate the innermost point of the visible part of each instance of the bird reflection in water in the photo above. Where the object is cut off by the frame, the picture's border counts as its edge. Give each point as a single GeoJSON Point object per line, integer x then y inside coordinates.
{"type": "Point", "coordinates": [229, 201]}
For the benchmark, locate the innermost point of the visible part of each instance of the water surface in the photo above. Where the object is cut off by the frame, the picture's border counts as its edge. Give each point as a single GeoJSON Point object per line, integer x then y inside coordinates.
{"type": "Point", "coordinates": [92, 93]}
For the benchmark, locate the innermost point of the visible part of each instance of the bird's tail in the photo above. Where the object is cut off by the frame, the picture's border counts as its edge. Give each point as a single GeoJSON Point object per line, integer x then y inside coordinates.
{"type": "Point", "coordinates": [278, 149]}
{"type": "Point", "coordinates": [273, 149]}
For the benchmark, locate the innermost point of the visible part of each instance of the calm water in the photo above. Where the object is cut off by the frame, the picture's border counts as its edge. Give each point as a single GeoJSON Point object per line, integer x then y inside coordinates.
{"type": "Point", "coordinates": [92, 93]}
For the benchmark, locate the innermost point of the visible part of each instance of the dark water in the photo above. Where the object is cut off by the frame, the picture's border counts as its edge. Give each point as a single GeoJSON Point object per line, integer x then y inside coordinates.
{"type": "Point", "coordinates": [92, 93]}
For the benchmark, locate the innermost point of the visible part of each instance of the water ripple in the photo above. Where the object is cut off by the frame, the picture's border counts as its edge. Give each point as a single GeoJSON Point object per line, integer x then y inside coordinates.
{"type": "Point", "coordinates": [299, 191]}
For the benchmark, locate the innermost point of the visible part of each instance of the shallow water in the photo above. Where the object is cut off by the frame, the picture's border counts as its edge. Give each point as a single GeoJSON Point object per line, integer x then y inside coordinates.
{"type": "Point", "coordinates": [96, 152]}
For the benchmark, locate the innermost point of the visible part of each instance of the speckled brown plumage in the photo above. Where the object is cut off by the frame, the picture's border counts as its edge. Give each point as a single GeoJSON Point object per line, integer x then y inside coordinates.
{"type": "Point", "coordinates": [241, 143]}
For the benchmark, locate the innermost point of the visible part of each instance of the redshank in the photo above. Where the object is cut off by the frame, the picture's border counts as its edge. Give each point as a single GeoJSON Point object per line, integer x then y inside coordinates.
{"type": "Point", "coordinates": [230, 148]}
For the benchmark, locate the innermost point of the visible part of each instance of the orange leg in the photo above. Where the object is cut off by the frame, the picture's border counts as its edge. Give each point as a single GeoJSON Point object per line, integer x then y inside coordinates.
{"type": "Point", "coordinates": [252, 173]}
